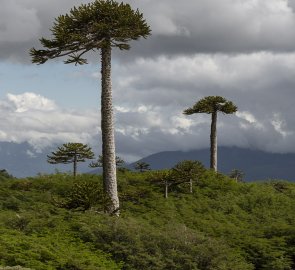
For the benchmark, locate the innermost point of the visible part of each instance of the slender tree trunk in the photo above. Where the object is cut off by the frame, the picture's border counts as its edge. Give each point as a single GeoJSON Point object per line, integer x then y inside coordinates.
{"type": "Point", "coordinates": [166, 190]}
{"type": "Point", "coordinates": [191, 185]}
{"type": "Point", "coordinates": [75, 165]}
{"type": "Point", "coordinates": [107, 131]}
{"type": "Point", "coordinates": [213, 141]}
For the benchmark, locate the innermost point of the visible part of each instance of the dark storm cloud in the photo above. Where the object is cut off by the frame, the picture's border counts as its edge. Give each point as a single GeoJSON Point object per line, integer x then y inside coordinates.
{"type": "Point", "coordinates": [209, 26]}
{"type": "Point", "coordinates": [204, 26]}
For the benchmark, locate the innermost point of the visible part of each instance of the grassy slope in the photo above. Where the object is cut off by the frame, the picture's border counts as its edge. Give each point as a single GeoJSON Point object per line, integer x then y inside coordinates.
{"type": "Point", "coordinates": [222, 225]}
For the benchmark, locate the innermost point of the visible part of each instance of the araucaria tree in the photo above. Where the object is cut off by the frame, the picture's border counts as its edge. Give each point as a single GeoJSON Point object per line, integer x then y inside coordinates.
{"type": "Point", "coordinates": [71, 153]}
{"type": "Point", "coordinates": [212, 105]}
{"type": "Point", "coordinates": [97, 26]}
{"type": "Point", "coordinates": [142, 166]}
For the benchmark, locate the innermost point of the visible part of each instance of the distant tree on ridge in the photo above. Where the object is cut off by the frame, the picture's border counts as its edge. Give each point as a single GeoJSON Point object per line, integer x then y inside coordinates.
{"type": "Point", "coordinates": [236, 174]}
{"type": "Point", "coordinates": [142, 166]}
{"type": "Point", "coordinates": [212, 105]}
{"type": "Point", "coordinates": [71, 153]}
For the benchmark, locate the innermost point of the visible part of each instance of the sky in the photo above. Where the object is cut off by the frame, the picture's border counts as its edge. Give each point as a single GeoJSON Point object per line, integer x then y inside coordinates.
{"type": "Point", "coordinates": [243, 50]}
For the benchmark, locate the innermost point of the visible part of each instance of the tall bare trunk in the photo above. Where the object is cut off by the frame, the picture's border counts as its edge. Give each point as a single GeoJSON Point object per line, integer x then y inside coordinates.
{"type": "Point", "coordinates": [191, 185]}
{"type": "Point", "coordinates": [107, 131]}
{"type": "Point", "coordinates": [166, 190]}
{"type": "Point", "coordinates": [213, 141]}
{"type": "Point", "coordinates": [75, 165]}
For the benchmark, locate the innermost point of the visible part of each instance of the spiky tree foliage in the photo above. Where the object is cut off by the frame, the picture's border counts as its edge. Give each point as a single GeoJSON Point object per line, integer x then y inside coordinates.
{"type": "Point", "coordinates": [188, 171]}
{"type": "Point", "coordinates": [212, 105]}
{"type": "Point", "coordinates": [142, 166]}
{"type": "Point", "coordinates": [4, 174]}
{"type": "Point", "coordinates": [97, 26]}
{"type": "Point", "coordinates": [165, 179]}
{"type": "Point", "coordinates": [99, 162]}
{"type": "Point", "coordinates": [71, 153]}
{"type": "Point", "coordinates": [236, 174]}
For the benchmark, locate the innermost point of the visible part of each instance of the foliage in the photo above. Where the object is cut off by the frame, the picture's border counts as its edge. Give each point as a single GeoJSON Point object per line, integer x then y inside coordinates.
{"type": "Point", "coordinates": [142, 166]}
{"type": "Point", "coordinates": [91, 27]}
{"type": "Point", "coordinates": [236, 174]}
{"type": "Point", "coordinates": [82, 196]}
{"type": "Point", "coordinates": [212, 104]}
{"type": "Point", "coordinates": [166, 179]}
{"type": "Point", "coordinates": [4, 175]}
{"type": "Point", "coordinates": [222, 225]}
{"type": "Point", "coordinates": [188, 171]}
{"type": "Point", "coordinates": [71, 153]}
{"type": "Point", "coordinates": [14, 268]}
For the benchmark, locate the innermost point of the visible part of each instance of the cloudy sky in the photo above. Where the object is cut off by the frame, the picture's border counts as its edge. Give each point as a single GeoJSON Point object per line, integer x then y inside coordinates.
{"type": "Point", "coordinates": [243, 50]}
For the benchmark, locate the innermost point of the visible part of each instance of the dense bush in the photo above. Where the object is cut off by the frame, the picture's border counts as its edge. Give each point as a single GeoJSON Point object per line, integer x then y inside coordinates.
{"type": "Point", "coordinates": [221, 225]}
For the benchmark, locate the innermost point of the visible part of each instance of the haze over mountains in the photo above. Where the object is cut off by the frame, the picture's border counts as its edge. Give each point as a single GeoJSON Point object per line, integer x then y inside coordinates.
{"type": "Point", "coordinates": [257, 165]}
{"type": "Point", "coordinates": [21, 160]}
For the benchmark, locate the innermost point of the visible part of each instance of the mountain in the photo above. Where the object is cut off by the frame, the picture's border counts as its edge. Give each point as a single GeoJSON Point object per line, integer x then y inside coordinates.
{"type": "Point", "coordinates": [257, 165]}
{"type": "Point", "coordinates": [22, 160]}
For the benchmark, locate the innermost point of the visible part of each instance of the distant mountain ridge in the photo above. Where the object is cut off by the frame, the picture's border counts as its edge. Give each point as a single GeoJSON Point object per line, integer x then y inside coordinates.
{"type": "Point", "coordinates": [21, 160]}
{"type": "Point", "coordinates": [257, 165]}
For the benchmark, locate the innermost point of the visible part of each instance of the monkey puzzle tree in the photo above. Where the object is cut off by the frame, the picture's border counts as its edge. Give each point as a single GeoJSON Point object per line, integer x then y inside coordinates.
{"type": "Point", "coordinates": [188, 171]}
{"type": "Point", "coordinates": [212, 105]}
{"type": "Point", "coordinates": [236, 174]}
{"type": "Point", "coordinates": [100, 25]}
{"type": "Point", "coordinates": [142, 166]}
{"type": "Point", "coordinates": [71, 153]}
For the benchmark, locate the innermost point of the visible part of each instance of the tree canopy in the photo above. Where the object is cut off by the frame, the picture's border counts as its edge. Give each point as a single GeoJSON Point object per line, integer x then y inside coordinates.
{"type": "Point", "coordinates": [71, 153]}
{"type": "Point", "coordinates": [92, 26]}
{"type": "Point", "coordinates": [212, 104]}
{"type": "Point", "coordinates": [142, 166]}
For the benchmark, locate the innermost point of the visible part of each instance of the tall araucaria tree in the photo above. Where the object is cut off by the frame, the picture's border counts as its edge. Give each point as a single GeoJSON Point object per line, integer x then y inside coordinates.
{"type": "Point", "coordinates": [212, 105]}
{"type": "Point", "coordinates": [97, 26]}
{"type": "Point", "coordinates": [71, 153]}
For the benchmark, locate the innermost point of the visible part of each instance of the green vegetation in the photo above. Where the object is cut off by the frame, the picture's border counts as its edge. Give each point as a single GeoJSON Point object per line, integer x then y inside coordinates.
{"type": "Point", "coordinates": [4, 175]}
{"type": "Point", "coordinates": [58, 222]}
{"type": "Point", "coordinates": [71, 153]}
{"type": "Point", "coordinates": [142, 166]}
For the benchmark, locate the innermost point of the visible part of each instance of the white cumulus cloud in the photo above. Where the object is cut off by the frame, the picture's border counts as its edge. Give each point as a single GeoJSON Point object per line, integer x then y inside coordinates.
{"type": "Point", "coordinates": [32, 118]}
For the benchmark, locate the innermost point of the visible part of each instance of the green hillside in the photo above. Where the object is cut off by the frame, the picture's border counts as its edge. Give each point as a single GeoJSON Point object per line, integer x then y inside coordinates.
{"type": "Point", "coordinates": [56, 222]}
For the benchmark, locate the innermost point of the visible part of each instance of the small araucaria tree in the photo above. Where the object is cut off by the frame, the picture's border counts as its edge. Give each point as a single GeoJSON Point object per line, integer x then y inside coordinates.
{"type": "Point", "coordinates": [188, 171]}
{"type": "Point", "coordinates": [236, 174]}
{"type": "Point", "coordinates": [71, 153]}
{"type": "Point", "coordinates": [212, 105]}
{"type": "Point", "coordinates": [100, 25]}
{"type": "Point", "coordinates": [142, 166]}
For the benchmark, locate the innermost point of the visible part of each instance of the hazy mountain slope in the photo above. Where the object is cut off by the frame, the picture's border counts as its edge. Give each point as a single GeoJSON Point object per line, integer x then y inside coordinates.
{"type": "Point", "coordinates": [255, 164]}
{"type": "Point", "coordinates": [22, 160]}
